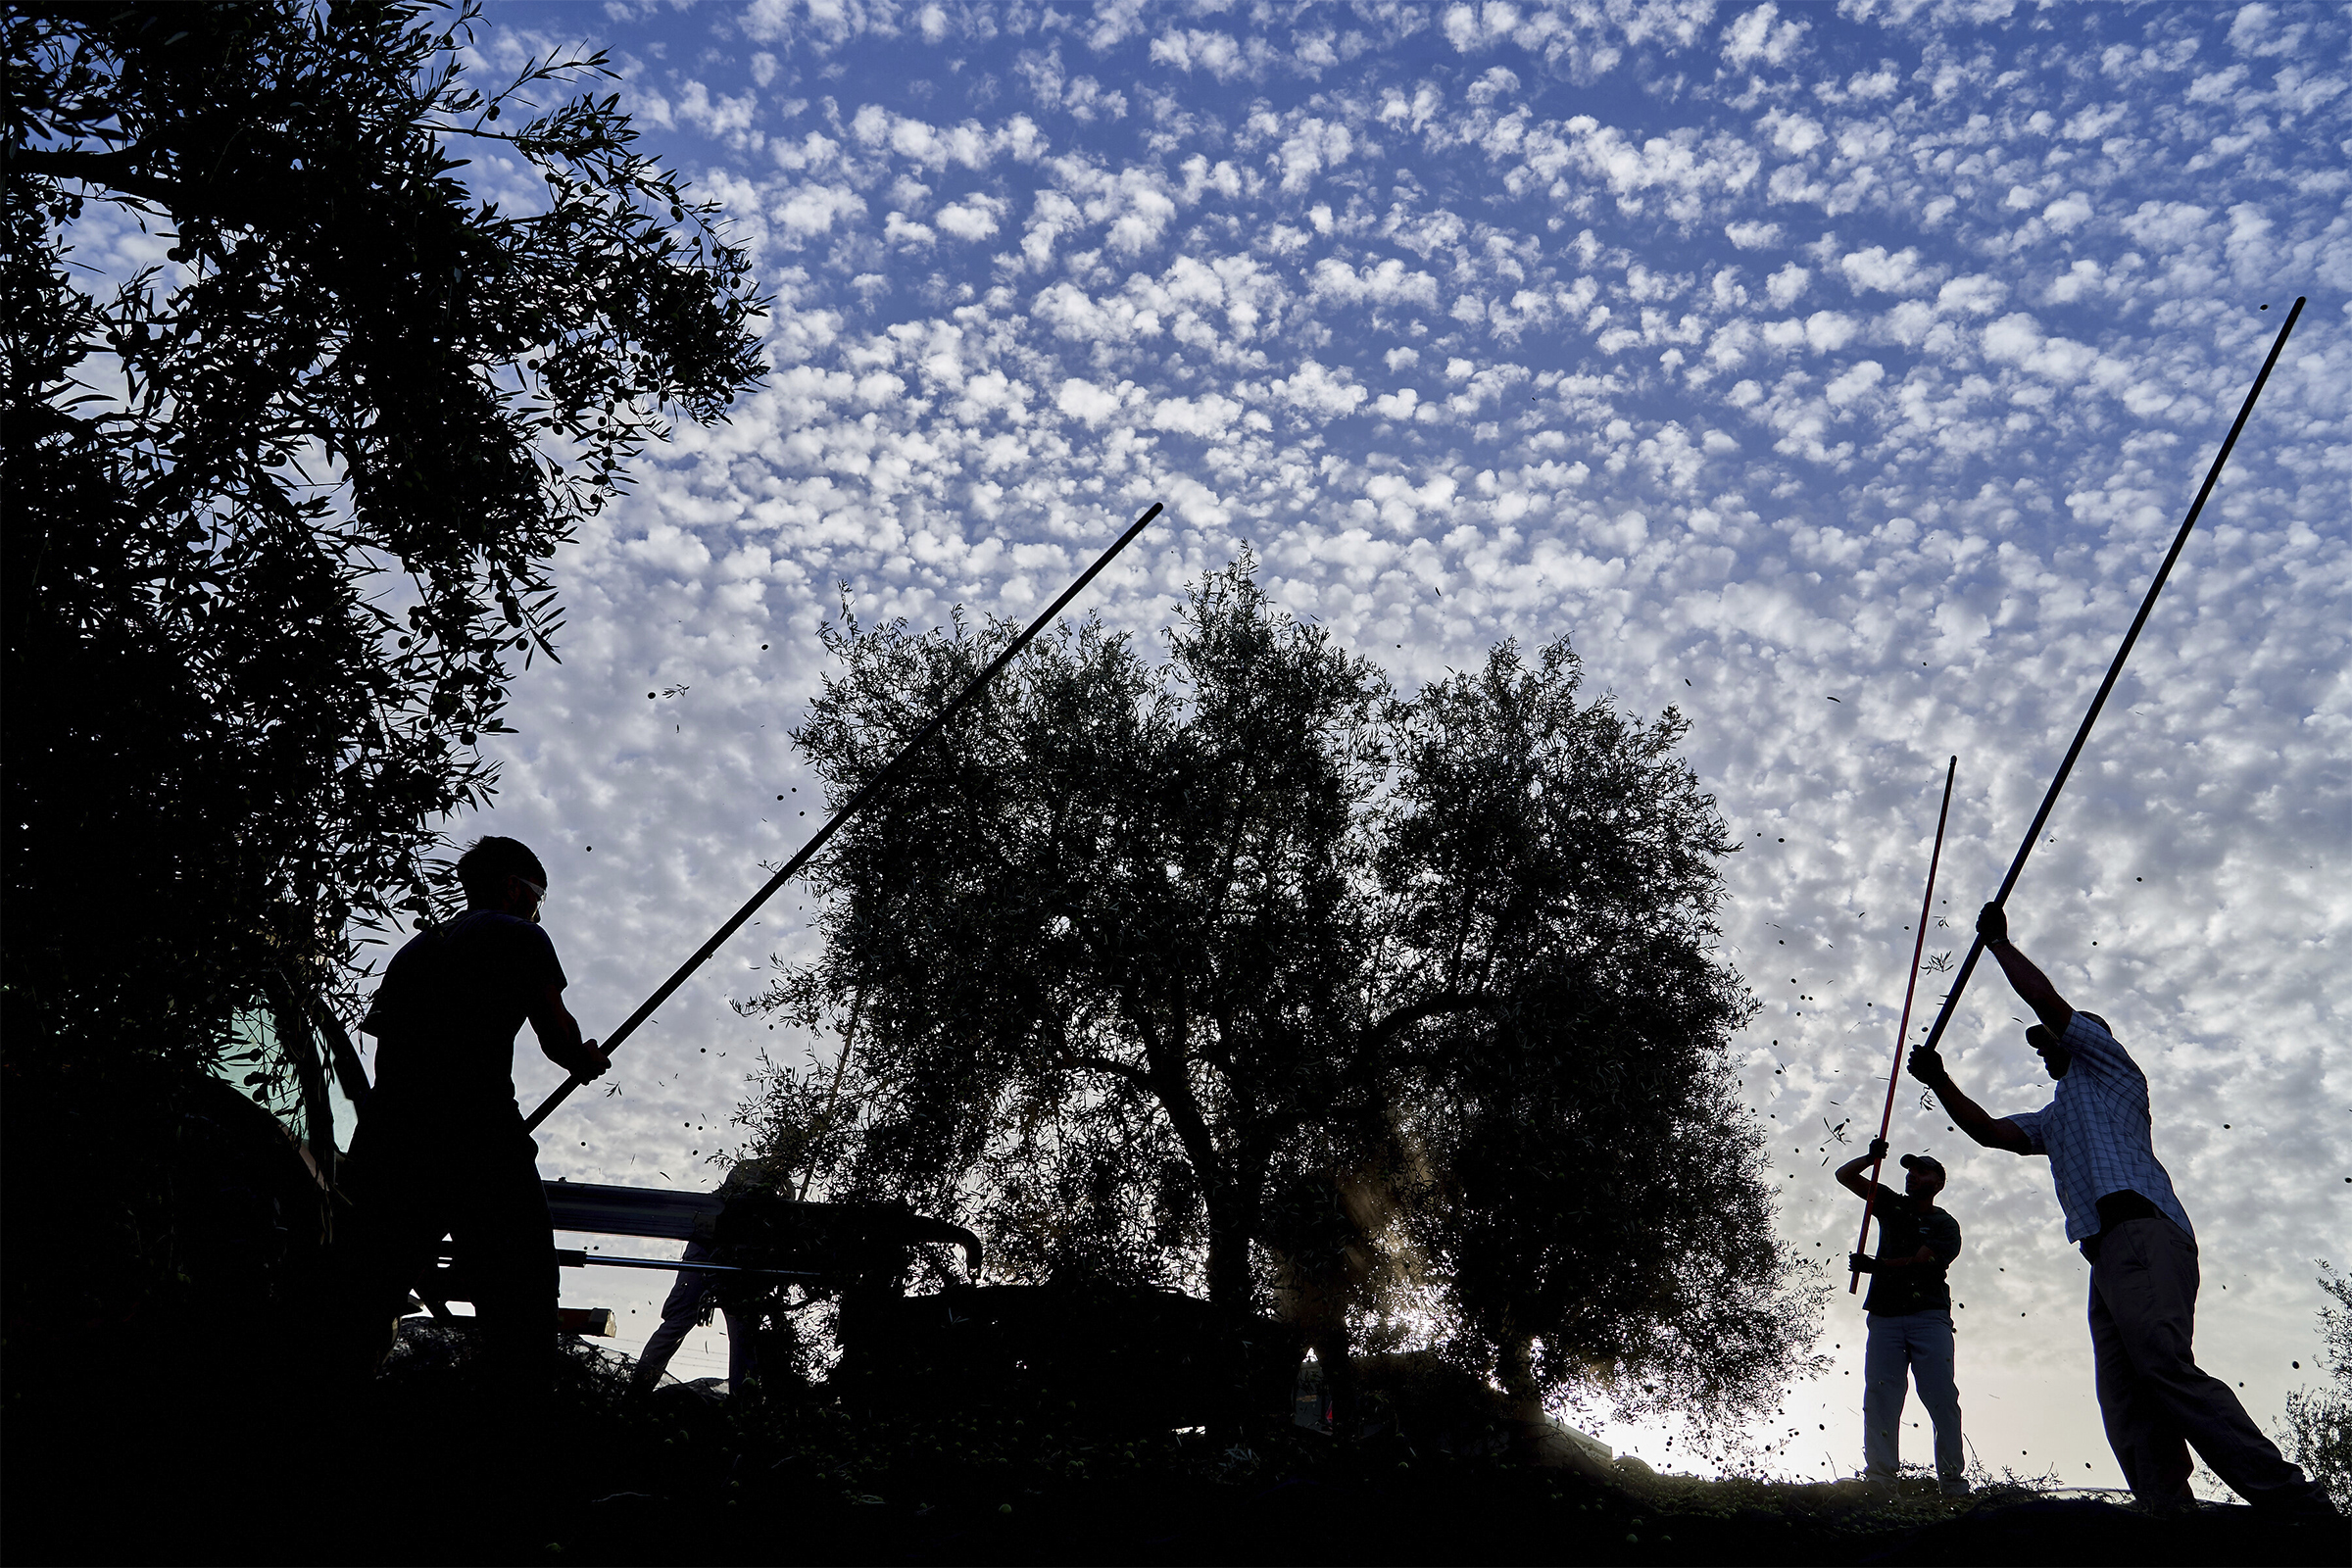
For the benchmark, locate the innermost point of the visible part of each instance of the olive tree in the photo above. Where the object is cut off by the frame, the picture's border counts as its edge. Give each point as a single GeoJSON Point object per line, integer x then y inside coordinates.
{"type": "Point", "coordinates": [279, 509]}
{"type": "Point", "coordinates": [1237, 968]}
{"type": "Point", "coordinates": [2318, 1421]}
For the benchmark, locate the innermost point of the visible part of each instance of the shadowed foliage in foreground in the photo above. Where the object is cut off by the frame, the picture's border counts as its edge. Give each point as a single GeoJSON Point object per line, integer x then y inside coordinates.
{"type": "Point", "coordinates": [278, 520]}
{"type": "Point", "coordinates": [423, 1472]}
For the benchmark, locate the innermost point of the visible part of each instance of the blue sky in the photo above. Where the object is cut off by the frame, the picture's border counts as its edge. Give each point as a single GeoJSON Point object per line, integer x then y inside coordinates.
{"type": "Point", "coordinates": [1774, 355]}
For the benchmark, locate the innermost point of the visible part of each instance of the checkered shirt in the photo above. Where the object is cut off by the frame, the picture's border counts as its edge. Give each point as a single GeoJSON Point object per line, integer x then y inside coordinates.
{"type": "Point", "coordinates": [2095, 1131]}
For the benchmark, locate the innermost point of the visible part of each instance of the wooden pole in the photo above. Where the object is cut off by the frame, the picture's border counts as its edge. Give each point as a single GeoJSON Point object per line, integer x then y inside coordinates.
{"type": "Point", "coordinates": [2017, 866]}
{"type": "Point", "coordinates": [851, 807]}
{"type": "Point", "coordinates": [1895, 1074]}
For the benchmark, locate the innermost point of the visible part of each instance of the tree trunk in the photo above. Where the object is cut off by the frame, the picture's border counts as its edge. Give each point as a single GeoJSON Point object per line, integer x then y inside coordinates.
{"type": "Point", "coordinates": [1535, 1438]}
{"type": "Point", "coordinates": [1228, 1261]}
{"type": "Point", "coordinates": [1515, 1370]}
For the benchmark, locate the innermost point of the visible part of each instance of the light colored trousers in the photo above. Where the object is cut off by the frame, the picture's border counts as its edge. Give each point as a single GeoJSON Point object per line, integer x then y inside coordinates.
{"type": "Point", "coordinates": [1904, 1346]}
{"type": "Point", "coordinates": [2154, 1398]}
{"type": "Point", "coordinates": [680, 1313]}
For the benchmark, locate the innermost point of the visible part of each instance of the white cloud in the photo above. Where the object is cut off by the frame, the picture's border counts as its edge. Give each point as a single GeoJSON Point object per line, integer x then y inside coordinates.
{"type": "Point", "coordinates": [1115, 20]}
{"type": "Point", "coordinates": [1414, 113]}
{"type": "Point", "coordinates": [1974, 295]}
{"type": "Point", "coordinates": [1207, 417]}
{"type": "Point", "coordinates": [969, 145]}
{"type": "Point", "coordinates": [2171, 225]}
{"type": "Point", "coordinates": [1795, 135]}
{"type": "Point", "coordinates": [806, 211]}
{"type": "Point", "coordinates": [1133, 206]}
{"type": "Point", "coordinates": [2068, 213]}
{"type": "Point", "coordinates": [1386, 282]}
{"type": "Point", "coordinates": [1826, 331]}
{"type": "Point", "coordinates": [1201, 177]}
{"type": "Point", "coordinates": [2089, 124]}
{"type": "Point", "coordinates": [1120, 317]}
{"type": "Point", "coordinates": [2255, 30]}
{"type": "Point", "coordinates": [2017, 339]}
{"type": "Point", "coordinates": [1310, 146]}
{"type": "Point", "coordinates": [1856, 381]}
{"type": "Point", "coordinates": [1082, 98]}
{"type": "Point", "coordinates": [1082, 398]}
{"type": "Point", "coordinates": [716, 117]}
{"type": "Point", "coordinates": [1760, 35]}
{"type": "Point", "coordinates": [1873, 268]}
{"type": "Point", "coordinates": [819, 23]}
{"type": "Point", "coordinates": [1685, 169]}
{"type": "Point", "coordinates": [1319, 392]}
{"type": "Point", "coordinates": [975, 218]}
{"type": "Point", "coordinates": [1215, 53]}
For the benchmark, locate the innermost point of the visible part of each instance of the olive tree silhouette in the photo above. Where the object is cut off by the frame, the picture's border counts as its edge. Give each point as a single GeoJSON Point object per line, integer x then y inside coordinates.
{"type": "Point", "coordinates": [1239, 970]}
{"type": "Point", "coordinates": [2318, 1429]}
{"type": "Point", "coordinates": [278, 516]}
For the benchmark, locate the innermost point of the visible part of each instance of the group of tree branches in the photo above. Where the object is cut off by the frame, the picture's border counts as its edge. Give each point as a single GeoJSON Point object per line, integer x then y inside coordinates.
{"type": "Point", "coordinates": [294, 421]}
{"type": "Point", "coordinates": [2318, 1421]}
{"type": "Point", "coordinates": [1401, 1017]}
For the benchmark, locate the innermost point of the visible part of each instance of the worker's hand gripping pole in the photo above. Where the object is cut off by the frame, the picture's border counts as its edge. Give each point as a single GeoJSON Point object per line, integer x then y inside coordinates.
{"type": "Point", "coordinates": [850, 808]}
{"type": "Point", "coordinates": [1902, 1030]}
{"type": "Point", "coordinates": [1976, 950]}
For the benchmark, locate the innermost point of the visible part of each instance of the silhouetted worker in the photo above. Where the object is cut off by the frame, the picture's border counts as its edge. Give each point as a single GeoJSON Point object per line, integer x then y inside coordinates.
{"type": "Point", "coordinates": [441, 1147]}
{"type": "Point", "coordinates": [689, 1298]}
{"type": "Point", "coordinates": [1910, 1314]}
{"type": "Point", "coordinates": [2119, 1205]}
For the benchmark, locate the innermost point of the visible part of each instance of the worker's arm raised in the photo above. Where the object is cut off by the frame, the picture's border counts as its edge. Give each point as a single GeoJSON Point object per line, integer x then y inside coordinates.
{"type": "Point", "coordinates": [1994, 1132]}
{"type": "Point", "coordinates": [2032, 986]}
{"type": "Point", "coordinates": [1849, 1175]}
{"type": "Point", "coordinates": [560, 1038]}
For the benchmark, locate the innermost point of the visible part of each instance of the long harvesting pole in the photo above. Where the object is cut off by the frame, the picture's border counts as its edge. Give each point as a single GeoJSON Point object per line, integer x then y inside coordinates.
{"type": "Point", "coordinates": [849, 808]}
{"type": "Point", "coordinates": [1976, 950]}
{"type": "Point", "coordinates": [585, 1259]}
{"type": "Point", "coordinates": [1902, 1030]}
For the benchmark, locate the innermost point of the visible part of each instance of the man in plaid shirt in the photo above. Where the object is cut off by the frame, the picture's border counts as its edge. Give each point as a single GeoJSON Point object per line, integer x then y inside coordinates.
{"type": "Point", "coordinates": [2120, 1206]}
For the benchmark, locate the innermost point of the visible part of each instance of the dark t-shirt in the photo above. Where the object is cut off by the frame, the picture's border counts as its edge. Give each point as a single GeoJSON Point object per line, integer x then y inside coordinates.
{"type": "Point", "coordinates": [446, 1015]}
{"type": "Point", "coordinates": [1902, 1231]}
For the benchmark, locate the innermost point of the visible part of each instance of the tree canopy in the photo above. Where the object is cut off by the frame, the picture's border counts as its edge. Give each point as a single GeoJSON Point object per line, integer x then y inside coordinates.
{"type": "Point", "coordinates": [1237, 968]}
{"type": "Point", "coordinates": [280, 506]}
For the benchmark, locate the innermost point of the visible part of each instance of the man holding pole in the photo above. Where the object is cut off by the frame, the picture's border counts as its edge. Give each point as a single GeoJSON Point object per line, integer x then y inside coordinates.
{"type": "Point", "coordinates": [441, 1150]}
{"type": "Point", "coordinates": [1910, 1313]}
{"type": "Point", "coordinates": [2120, 1206]}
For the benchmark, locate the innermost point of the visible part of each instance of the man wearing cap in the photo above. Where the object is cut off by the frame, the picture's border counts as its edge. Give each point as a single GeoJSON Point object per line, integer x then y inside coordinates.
{"type": "Point", "coordinates": [1910, 1313]}
{"type": "Point", "coordinates": [2120, 1206]}
{"type": "Point", "coordinates": [441, 1150]}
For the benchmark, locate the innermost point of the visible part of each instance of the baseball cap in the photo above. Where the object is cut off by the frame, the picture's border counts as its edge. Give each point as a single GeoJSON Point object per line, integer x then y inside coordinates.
{"type": "Point", "coordinates": [1927, 1162]}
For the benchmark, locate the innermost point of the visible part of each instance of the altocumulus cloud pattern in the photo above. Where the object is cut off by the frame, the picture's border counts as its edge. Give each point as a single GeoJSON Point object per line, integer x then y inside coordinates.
{"type": "Point", "coordinates": [1776, 355]}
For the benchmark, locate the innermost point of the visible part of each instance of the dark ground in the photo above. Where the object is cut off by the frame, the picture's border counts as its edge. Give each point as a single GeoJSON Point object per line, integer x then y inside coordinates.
{"type": "Point", "coordinates": [429, 1473]}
